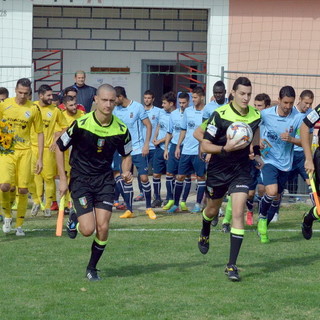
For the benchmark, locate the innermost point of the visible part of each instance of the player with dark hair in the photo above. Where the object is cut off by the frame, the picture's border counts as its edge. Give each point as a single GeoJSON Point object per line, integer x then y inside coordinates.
{"type": "Point", "coordinates": [262, 101]}
{"type": "Point", "coordinates": [4, 93]}
{"type": "Point", "coordinates": [303, 106]}
{"type": "Point", "coordinates": [189, 161]}
{"type": "Point", "coordinates": [219, 99]}
{"type": "Point", "coordinates": [229, 168]}
{"type": "Point", "coordinates": [94, 139]}
{"type": "Point", "coordinates": [44, 182]}
{"type": "Point", "coordinates": [279, 141]}
{"type": "Point", "coordinates": [21, 114]}
{"type": "Point", "coordinates": [172, 138]}
{"type": "Point", "coordinates": [153, 113]}
{"type": "Point", "coordinates": [71, 92]}
{"type": "Point", "coordinates": [159, 162]}
{"type": "Point", "coordinates": [133, 114]}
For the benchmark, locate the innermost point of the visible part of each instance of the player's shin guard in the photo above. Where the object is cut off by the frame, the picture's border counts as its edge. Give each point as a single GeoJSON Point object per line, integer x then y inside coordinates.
{"type": "Point", "coordinates": [146, 187]}
{"type": "Point", "coordinates": [236, 238]}
{"type": "Point", "coordinates": [157, 188]}
{"type": "Point", "coordinates": [128, 195]}
{"type": "Point", "coordinates": [49, 192]}
{"type": "Point", "coordinates": [311, 216]}
{"type": "Point", "coordinates": [97, 249]}
{"type": "Point", "coordinates": [249, 204]}
{"type": "Point", "coordinates": [119, 186]}
{"type": "Point", "coordinates": [264, 206]}
{"type": "Point", "coordinates": [186, 189]}
{"type": "Point", "coordinates": [228, 214]}
{"type": "Point", "coordinates": [177, 192]}
{"type": "Point", "coordinates": [6, 207]}
{"type": "Point", "coordinates": [21, 209]}
{"type": "Point", "coordinates": [200, 191]}
{"type": "Point", "coordinates": [169, 186]}
{"type": "Point", "coordinates": [274, 208]}
{"type": "Point", "coordinates": [206, 223]}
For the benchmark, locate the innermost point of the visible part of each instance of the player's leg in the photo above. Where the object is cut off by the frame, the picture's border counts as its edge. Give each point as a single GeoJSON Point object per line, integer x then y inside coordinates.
{"type": "Point", "coordinates": [159, 167]}
{"type": "Point", "coordinates": [23, 178]}
{"type": "Point", "coordinates": [199, 167]}
{"type": "Point", "coordinates": [237, 231]}
{"type": "Point", "coordinates": [269, 175]}
{"type": "Point", "coordinates": [172, 170]}
{"type": "Point", "coordinates": [185, 193]}
{"type": "Point", "coordinates": [7, 179]}
{"type": "Point", "coordinates": [226, 222]}
{"type": "Point", "coordinates": [313, 214]}
{"type": "Point", "coordinates": [48, 173]}
{"type": "Point", "coordinates": [214, 200]}
{"type": "Point", "coordinates": [141, 163]}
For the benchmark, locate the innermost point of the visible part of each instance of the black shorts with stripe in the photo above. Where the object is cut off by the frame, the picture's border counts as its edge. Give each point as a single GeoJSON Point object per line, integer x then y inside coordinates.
{"type": "Point", "coordinates": [89, 192]}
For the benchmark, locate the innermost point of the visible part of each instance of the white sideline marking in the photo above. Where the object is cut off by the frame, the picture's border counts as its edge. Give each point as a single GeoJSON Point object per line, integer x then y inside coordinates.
{"type": "Point", "coordinates": [172, 230]}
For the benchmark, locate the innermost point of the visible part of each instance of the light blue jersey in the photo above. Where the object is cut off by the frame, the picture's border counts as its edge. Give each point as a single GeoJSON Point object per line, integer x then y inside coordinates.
{"type": "Point", "coordinates": [132, 117]}
{"type": "Point", "coordinates": [175, 125]}
{"type": "Point", "coordinates": [153, 115]}
{"type": "Point", "coordinates": [279, 153]}
{"type": "Point", "coordinates": [164, 121]}
{"type": "Point", "coordinates": [191, 120]}
{"type": "Point", "coordinates": [210, 107]}
{"type": "Point", "coordinates": [297, 148]}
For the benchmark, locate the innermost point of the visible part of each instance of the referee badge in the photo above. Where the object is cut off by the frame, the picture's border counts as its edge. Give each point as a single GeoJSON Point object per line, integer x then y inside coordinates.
{"type": "Point", "coordinates": [83, 201]}
{"type": "Point", "coordinates": [100, 144]}
{"type": "Point", "coordinates": [210, 190]}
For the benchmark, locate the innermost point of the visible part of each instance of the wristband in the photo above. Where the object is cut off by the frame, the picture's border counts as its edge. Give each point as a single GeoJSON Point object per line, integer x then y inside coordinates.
{"type": "Point", "coordinates": [256, 150]}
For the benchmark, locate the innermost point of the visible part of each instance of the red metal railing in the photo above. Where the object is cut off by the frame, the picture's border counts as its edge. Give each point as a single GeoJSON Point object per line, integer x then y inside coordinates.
{"type": "Point", "coordinates": [48, 67]}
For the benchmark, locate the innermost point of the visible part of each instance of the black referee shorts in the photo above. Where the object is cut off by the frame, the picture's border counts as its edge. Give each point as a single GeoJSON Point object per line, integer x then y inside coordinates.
{"type": "Point", "coordinates": [88, 192]}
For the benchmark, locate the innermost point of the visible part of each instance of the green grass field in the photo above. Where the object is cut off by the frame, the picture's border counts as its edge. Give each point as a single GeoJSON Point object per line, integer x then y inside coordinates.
{"type": "Point", "coordinates": [153, 270]}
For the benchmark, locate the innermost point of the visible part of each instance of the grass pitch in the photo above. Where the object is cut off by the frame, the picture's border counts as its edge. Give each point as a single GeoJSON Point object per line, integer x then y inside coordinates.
{"type": "Point", "coordinates": [153, 270]}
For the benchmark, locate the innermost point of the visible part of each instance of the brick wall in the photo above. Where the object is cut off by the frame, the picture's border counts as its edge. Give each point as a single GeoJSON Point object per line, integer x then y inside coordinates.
{"type": "Point", "coordinates": [114, 29]}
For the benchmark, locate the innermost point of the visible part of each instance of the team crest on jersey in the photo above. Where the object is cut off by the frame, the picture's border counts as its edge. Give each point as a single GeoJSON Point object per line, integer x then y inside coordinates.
{"type": "Point", "coordinates": [49, 114]}
{"type": "Point", "coordinates": [291, 129]}
{"type": "Point", "coordinates": [83, 201]}
{"type": "Point", "coordinates": [131, 114]}
{"type": "Point", "coordinates": [210, 190]}
{"type": "Point", "coordinates": [27, 114]}
{"type": "Point", "coordinates": [191, 124]}
{"type": "Point", "coordinates": [100, 144]}
{"type": "Point", "coordinates": [153, 117]}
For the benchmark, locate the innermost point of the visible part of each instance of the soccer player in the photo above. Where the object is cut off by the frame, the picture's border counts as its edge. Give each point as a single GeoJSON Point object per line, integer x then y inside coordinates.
{"type": "Point", "coordinates": [51, 117]}
{"type": "Point", "coordinates": [303, 106]}
{"type": "Point", "coordinates": [71, 92]}
{"type": "Point", "coordinates": [219, 99]}
{"type": "Point", "coordinates": [85, 93]}
{"type": "Point", "coordinates": [261, 102]}
{"type": "Point", "coordinates": [153, 113]}
{"type": "Point", "coordinates": [94, 139]}
{"type": "Point", "coordinates": [21, 114]}
{"type": "Point", "coordinates": [279, 127]}
{"type": "Point", "coordinates": [133, 114]}
{"type": "Point", "coordinates": [229, 168]}
{"type": "Point", "coordinates": [171, 140]}
{"type": "Point", "coordinates": [4, 93]}
{"type": "Point", "coordinates": [189, 160]}
{"type": "Point", "coordinates": [159, 162]}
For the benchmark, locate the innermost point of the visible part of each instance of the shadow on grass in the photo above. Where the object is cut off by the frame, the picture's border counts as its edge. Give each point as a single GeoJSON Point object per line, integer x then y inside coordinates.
{"type": "Point", "coordinates": [138, 269]}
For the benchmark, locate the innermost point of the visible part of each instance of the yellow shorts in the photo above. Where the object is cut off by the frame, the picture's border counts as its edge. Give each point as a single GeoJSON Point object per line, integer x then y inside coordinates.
{"type": "Point", "coordinates": [49, 163]}
{"type": "Point", "coordinates": [15, 168]}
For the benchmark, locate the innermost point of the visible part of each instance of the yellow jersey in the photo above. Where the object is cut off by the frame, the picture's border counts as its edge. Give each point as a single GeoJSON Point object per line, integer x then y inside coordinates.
{"type": "Point", "coordinates": [22, 118]}
{"type": "Point", "coordinates": [70, 119]}
{"type": "Point", "coordinates": [51, 116]}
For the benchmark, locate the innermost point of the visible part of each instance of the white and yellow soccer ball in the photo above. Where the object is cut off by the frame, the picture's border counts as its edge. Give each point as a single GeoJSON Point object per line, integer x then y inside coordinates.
{"type": "Point", "coordinates": [240, 131]}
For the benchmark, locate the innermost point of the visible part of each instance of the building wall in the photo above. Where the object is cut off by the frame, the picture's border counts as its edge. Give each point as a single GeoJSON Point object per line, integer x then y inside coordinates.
{"type": "Point", "coordinates": [118, 37]}
{"type": "Point", "coordinates": [16, 42]}
{"type": "Point", "coordinates": [277, 36]}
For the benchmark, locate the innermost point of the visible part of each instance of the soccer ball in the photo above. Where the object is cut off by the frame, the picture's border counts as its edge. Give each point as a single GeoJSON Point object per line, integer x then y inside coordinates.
{"type": "Point", "coordinates": [239, 130]}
